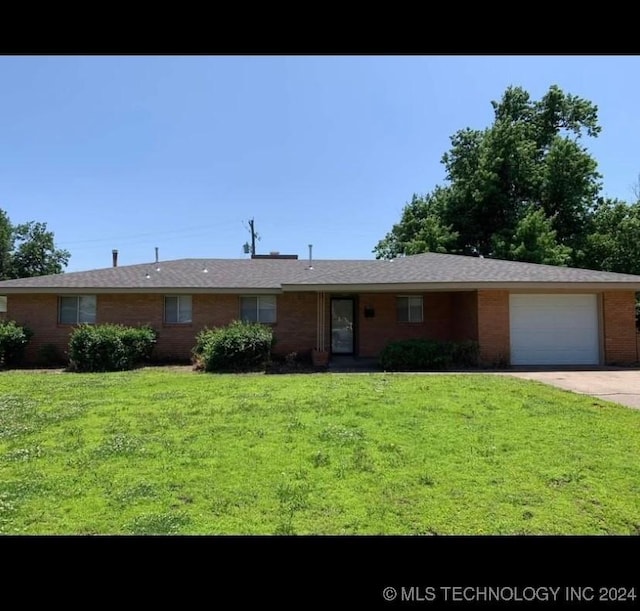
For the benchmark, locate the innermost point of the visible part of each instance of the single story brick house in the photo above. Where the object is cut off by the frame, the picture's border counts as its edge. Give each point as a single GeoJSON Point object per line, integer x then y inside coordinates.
{"type": "Point", "coordinates": [519, 313]}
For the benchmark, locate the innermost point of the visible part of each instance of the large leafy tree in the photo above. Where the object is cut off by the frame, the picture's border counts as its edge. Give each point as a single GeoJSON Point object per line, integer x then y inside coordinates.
{"type": "Point", "coordinates": [28, 250]}
{"type": "Point", "coordinates": [534, 240]}
{"type": "Point", "coordinates": [525, 173]}
{"type": "Point", "coordinates": [420, 229]}
{"type": "Point", "coordinates": [613, 243]}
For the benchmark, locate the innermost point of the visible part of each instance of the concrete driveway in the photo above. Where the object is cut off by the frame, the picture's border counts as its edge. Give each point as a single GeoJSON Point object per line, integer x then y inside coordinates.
{"type": "Point", "coordinates": [618, 385]}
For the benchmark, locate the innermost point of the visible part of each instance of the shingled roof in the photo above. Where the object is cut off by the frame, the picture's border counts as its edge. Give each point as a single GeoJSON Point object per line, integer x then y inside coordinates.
{"type": "Point", "coordinates": [425, 271]}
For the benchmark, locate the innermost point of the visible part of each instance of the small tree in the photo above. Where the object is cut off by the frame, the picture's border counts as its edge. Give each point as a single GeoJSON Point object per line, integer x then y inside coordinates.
{"type": "Point", "coordinates": [28, 250]}
{"type": "Point", "coordinates": [35, 253]}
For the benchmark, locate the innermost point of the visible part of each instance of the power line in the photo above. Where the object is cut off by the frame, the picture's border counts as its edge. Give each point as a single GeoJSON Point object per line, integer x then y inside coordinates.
{"type": "Point", "coordinates": [185, 231]}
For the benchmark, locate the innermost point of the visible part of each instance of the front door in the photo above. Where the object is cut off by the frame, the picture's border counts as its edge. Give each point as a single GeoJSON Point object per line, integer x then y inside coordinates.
{"type": "Point", "coordinates": [342, 340]}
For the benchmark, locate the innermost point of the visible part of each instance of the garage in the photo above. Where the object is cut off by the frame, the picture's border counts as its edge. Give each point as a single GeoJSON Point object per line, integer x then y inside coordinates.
{"type": "Point", "coordinates": [554, 329]}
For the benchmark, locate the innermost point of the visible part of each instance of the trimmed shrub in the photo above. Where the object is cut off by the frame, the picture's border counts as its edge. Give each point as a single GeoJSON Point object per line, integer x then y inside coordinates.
{"type": "Point", "coordinates": [238, 347]}
{"type": "Point", "coordinates": [465, 354]}
{"type": "Point", "coordinates": [109, 347]}
{"type": "Point", "coordinates": [423, 354]}
{"type": "Point", "coordinates": [13, 341]}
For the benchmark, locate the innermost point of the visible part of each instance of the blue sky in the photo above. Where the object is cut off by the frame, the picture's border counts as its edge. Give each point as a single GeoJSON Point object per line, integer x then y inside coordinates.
{"type": "Point", "coordinates": [178, 152]}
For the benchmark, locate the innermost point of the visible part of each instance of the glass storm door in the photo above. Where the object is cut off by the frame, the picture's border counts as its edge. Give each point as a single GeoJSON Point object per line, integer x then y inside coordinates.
{"type": "Point", "coordinates": [342, 326]}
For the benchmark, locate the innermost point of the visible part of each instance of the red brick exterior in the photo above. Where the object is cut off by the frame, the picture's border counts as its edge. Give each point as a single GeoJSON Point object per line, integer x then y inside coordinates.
{"type": "Point", "coordinates": [479, 315]}
{"type": "Point", "coordinates": [294, 329]}
{"type": "Point", "coordinates": [40, 314]}
{"type": "Point", "coordinates": [619, 319]}
{"type": "Point", "coordinates": [493, 327]}
{"type": "Point", "coordinates": [445, 316]}
{"type": "Point", "coordinates": [464, 316]}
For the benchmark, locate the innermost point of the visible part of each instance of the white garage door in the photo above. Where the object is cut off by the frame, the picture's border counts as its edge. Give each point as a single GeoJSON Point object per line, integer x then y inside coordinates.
{"type": "Point", "coordinates": [554, 329]}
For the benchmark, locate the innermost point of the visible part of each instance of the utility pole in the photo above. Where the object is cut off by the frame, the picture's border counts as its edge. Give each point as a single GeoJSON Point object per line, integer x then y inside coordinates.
{"type": "Point", "coordinates": [254, 236]}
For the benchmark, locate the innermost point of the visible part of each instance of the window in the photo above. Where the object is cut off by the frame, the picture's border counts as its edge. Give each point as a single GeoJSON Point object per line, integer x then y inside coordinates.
{"type": "Point", "coordinates": [258, 308]}
{"type": "Point", "coordinates": [177, 309]}
{"type": "Point", "coordinates": [3, 303]}
{"type": "Point", "coordinates": [77, 309]}
{"type": "Point", "coordinates": [409, 308]}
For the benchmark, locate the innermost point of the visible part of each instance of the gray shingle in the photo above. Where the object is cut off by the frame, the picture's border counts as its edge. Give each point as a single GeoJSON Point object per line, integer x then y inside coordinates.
{"type": "Point", "coordinates": [246, 274]}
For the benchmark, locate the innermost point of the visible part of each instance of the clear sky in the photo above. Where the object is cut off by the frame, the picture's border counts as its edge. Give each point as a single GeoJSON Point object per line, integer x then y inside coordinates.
{"type": "Point", "coordinates": [179, 152]}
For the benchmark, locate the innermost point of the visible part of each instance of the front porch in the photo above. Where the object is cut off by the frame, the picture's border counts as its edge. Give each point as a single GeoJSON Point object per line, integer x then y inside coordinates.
{"type": "Point", "coordinates": [352, 328]}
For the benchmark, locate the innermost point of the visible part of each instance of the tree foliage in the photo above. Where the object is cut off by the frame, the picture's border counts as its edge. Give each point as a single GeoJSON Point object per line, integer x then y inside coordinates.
{"type": "Point", "coordinates": [420, 229]}
{"type": "Point", "coordinates": [534, 241]}
{"type": "Point", "coordinates": [28, 250]}
{"type": "Point", "coordinates": [522, 188]}
{"type": "Point", "coordinates": [613, 243]}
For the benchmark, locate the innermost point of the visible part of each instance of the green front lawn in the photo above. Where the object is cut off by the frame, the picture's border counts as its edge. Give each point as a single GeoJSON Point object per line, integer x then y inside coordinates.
{"type": "Point", "coordinates": [164, 451]}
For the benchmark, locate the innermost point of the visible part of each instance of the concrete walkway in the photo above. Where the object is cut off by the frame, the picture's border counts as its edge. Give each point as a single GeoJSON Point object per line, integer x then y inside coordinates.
{"type": "Point", "coordinates": [618, 385]}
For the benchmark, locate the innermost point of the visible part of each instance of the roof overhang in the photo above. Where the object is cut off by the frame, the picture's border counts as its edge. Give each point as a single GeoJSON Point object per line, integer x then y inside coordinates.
{"type": "Point", "coordinates": [165, 290]}
{"type": "Point", "coordinates": [461, 286]}
{"type": "Point", "coordinates": [333, 288]}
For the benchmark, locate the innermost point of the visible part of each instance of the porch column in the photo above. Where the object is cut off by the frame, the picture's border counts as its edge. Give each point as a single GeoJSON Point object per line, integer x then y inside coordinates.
{"type": "Point", "coordinates": [320, 321]}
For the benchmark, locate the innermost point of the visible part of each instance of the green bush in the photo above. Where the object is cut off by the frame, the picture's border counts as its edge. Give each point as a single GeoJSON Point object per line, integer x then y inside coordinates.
{"type": "Point", "coordinates": [13, 340]}
{"type": "Point", "coordinates": [237, 347]}
{"type": "Point", "coordinates": [109, 347]}
{"type": "Point", "coordinates": [465, 354]}
{"type": "Point", "coordinates": [423, 354]}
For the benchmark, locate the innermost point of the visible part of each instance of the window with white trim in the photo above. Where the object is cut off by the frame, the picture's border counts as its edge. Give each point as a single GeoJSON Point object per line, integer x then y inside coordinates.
{"type": "Point", "coordinates": [258, 308]}
{"type": "Point", "coordinates": [177, 309]}
{"type": "Point", "coordinates": [409, 308]}
{"type": "Point", "coordinates": [76, 309]}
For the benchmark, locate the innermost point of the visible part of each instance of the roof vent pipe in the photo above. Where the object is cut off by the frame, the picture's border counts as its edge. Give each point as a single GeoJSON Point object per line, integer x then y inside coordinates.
{"type": "Point", "coordinates": [114, 252]}
{"type": "Point", "coordinates": [156, 254]}
{"type": "Point", "coordinates": [310, 256]}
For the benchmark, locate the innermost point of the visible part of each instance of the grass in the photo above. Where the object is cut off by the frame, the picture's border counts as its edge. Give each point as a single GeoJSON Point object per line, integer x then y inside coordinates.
{"type": "Point", "coordinates": [156, 451]}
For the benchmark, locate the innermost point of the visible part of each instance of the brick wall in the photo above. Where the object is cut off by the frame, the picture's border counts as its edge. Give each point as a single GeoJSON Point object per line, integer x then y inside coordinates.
{"type": "Point", "coordinates": [372, 334]}
{"type": "Point", "coordinates": [295, 329]}
{"type": "Point", "coordinates": [620, 339]}
{"type": "Point", "coordinates": [460, 315]}
{"type": "Point", "coordinates": [493, 326]}
{"type": "Point", "coordinates": [465, 316]}
{"type": "Point", "coordinates": [40, 314]}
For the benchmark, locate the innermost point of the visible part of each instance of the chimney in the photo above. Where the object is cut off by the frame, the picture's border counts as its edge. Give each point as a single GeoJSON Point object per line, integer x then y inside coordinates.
{"type": "Point", "coordinates": [114, 252]}
{"type": "Point", "coordinates": [274, 255]}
